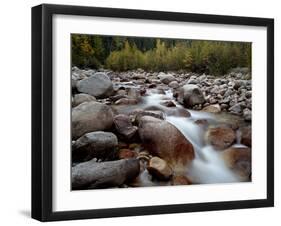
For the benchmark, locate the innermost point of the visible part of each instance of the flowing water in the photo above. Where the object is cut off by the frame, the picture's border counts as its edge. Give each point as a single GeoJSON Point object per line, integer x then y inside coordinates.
{"type": "Point", "coordinates": [208, 165]}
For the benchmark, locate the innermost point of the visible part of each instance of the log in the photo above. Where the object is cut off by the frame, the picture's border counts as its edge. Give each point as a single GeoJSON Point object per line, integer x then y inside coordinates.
{"type": "Point", "coordinates": [94, 174]}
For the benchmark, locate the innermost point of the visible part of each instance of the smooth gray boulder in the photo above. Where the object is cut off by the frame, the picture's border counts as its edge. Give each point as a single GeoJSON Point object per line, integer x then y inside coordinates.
{"type": "Point", "coordinates": [89, 117]}
{"type": "Point", "coordinates": [98, 85]}
{"type": "Point", "coordinates": [190, 95]}
{"type": "Point", "coordinates": [94, 174]}
{"type": "Point", "coordinates": [99, 144]}
{"type": "Point", "coordinates": [81, 98]}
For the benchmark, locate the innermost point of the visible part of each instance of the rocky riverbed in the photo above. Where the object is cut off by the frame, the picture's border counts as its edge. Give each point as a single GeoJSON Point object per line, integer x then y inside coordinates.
{"type": "Point", "coordinates": [137, 128]}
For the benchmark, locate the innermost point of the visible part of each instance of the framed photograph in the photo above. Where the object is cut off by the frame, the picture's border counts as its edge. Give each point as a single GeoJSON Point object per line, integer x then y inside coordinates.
{"type": "Point", "coordinates": [146, 112]}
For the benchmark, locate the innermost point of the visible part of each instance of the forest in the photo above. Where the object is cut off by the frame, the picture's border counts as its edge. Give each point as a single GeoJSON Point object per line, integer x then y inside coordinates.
{"type": "Point", "coordinates": [158, 54]}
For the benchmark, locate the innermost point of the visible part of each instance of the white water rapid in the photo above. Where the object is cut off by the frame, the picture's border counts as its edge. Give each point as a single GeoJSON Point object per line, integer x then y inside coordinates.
{"type": "Point", "coordinates": [208, 165]}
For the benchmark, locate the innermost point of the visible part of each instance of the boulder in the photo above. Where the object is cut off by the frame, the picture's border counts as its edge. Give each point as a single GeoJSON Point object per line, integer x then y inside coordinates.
{"type": "Point", "coordinates": [124, 126]}
{"type": "Point", "coordinates": [215, 108]}
{"type": "Point", "coordinates": [100, 145]}
{"type": "Point", "coordinates": [174, 85]}
{"type": "Point", "coordinates": [89, 117]}
{"type": "Point", "coordinates": [220, 137]}
{"type": "Point", "coordinates": [190, 95]}
{"type": "Point", "coordinates": [98, 85]}
{"type": "Point", "coordinates": [166, 78]}
{"type": "Point", "coordinates": [159, 168]}
{"type": "Point", "coordinates": [81, 98]}
{"type": "Point", "coordinates": [92, 174]}
{"type": "Point", "coordinates": [164, 140]}
{"type": "Point", "coordinates": [239, 160]}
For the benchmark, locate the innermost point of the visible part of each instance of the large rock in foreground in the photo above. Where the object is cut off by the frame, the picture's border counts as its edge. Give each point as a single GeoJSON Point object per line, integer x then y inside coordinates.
{"type": "Point", "coordinates": [239, 160]}
{"type": "Point", "coordinates": [98, 85]}
{"type": "Point", "coordinates": [164, 140]}
{"type": "Point", "coordinates": [90, 117]}
{"type": "Point", "coordinates": [190, 95]}
{"type": "Point", "coordinates": [101, 145]}
{"type": "Point", "coordinates": [220, 137]}
{"type": "Point", "coordinates": [104, 174]}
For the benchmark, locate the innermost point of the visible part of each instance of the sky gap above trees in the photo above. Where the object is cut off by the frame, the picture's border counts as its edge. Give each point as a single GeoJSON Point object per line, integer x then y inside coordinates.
{"type": "Point", "coordinates": [120, 53]}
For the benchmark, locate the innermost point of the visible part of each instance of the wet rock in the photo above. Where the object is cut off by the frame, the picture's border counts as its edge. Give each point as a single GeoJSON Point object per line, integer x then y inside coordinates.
{"type": "Point", "coordinates": [124, 126]}
{"type": "Point", "coordinates": [239, 160]}
{"type": "Point", "coordinates": [81, 98]}
{"type": "Point", "coordinates": [164, 140]}
{"type": "Point", "coordinates": [104, 174]}
{"type": "Point", "coordinates": [90, 117]}
{"type": "Point", "coordinates": [159, 168]}
{"type": "Point", "coordinates": [246, 136]}
{"type": "Point", "coordinates": [215, 108]}
{"type": "Point", "coordinates": [166, 78]}
{"type": "Point", "coordinates": [98, 85]}
{"type": "Point", "coordinates": [202, 122]}
{"type": "Point", "coordinates": [181, 180]}
{"type": "Point", "coordinates": [168, 103]}
{"type": "Point", "coordinates": [190, 95]}
{"type": "Point", "coordinates": [100, 145]}
{"type": "Point", "coordinates": [220, 137]}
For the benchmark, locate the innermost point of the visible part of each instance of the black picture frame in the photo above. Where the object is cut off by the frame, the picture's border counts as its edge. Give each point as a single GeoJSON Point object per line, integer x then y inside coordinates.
{"type": "Point", "coordinates": [42, 108]}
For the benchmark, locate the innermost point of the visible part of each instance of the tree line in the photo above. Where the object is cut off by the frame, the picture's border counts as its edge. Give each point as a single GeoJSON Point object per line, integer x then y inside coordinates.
{"type": "Point", "coordinates": [158, 54]}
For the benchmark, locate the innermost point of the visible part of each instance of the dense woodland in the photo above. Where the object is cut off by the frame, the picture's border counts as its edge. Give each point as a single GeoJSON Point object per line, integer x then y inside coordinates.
{"type": "Point", "coordinates": [157, 54]}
